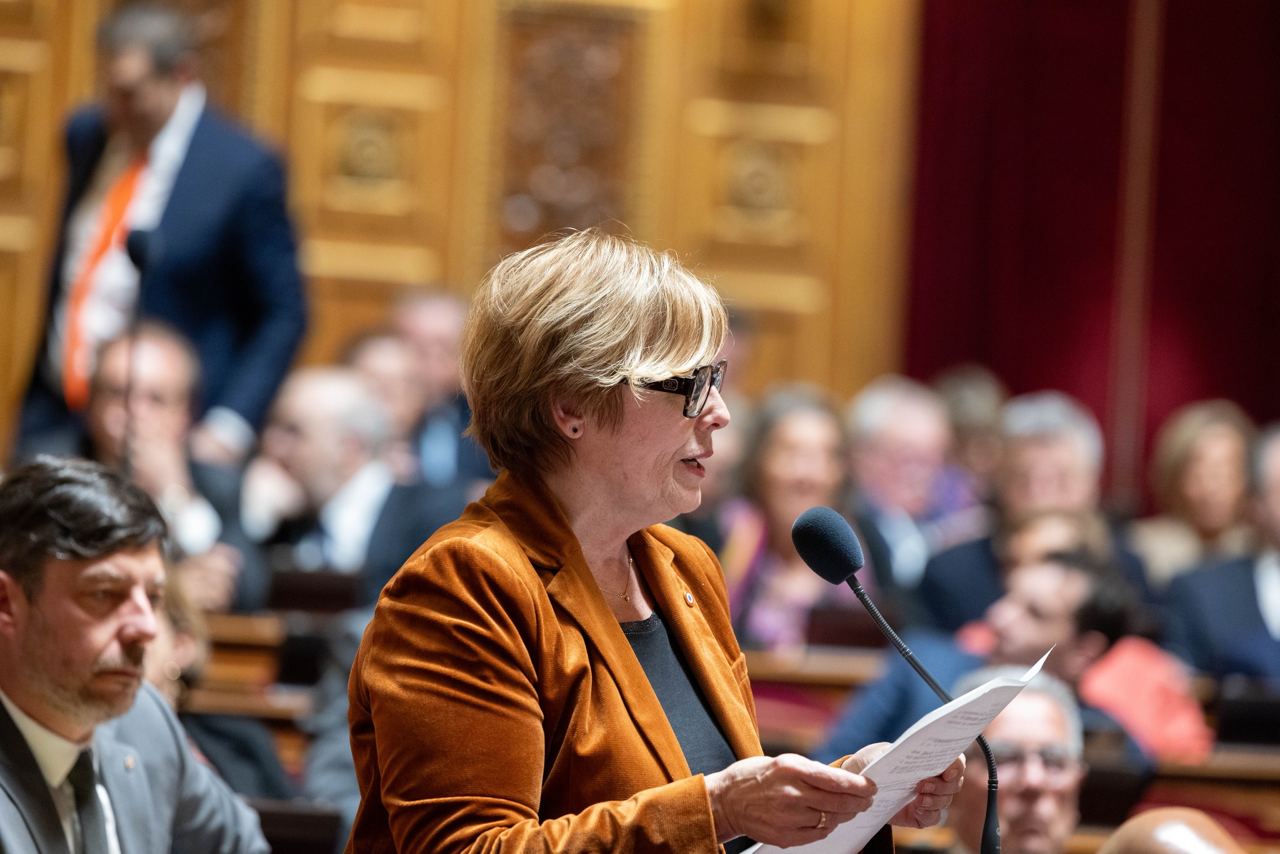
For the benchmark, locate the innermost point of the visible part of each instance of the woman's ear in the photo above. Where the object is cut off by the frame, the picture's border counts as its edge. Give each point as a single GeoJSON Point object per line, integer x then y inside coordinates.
{"type": "Point", "coordinates": [569, 420]}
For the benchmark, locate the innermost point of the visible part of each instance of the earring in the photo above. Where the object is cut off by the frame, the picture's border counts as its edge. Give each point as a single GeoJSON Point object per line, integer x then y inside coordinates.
{"type": "Point", "coordinates": [575, 429]}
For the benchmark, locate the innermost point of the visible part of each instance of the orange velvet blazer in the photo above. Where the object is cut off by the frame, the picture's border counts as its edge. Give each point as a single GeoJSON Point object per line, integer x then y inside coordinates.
{"type": "Point", "coordinates": [497, 706]}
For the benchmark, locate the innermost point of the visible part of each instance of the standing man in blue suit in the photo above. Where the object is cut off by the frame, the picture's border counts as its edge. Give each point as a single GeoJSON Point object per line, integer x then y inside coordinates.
{"type": "Point", "coordinates": [217, 250]}
{"type": "Point", "coordinates": [1225, 618]}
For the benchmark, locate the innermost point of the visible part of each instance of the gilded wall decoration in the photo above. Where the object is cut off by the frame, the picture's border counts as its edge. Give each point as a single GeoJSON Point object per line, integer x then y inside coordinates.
{"type": "Point", "coordinates": [570, 84]}
{"type": "Point", "coordinates": [767, 141]}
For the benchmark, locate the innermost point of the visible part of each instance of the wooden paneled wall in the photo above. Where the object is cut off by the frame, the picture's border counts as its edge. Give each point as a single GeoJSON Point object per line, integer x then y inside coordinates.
{"type": "Point", "coordinates": [43, 69]}
{"type": "Point", "coordinates": [769, 142]}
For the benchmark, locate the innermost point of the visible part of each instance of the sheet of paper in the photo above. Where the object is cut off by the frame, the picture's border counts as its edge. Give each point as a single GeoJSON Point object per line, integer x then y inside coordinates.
{"type": "Point", "coordinates": [924, 750]}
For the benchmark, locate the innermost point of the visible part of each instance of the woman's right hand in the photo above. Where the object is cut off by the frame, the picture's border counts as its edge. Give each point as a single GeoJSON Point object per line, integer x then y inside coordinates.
{"type": "Point", "coordinates": [784, 800]}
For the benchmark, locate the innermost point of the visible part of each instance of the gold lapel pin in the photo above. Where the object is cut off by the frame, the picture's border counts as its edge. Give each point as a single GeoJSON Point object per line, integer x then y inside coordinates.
{"type": "Point", "coordinates": [129, 762]}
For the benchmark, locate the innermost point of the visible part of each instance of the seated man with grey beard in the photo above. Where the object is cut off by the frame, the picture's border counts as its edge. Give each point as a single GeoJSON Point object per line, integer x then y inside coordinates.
{"type": "Point", "coordinates": [91, 759]}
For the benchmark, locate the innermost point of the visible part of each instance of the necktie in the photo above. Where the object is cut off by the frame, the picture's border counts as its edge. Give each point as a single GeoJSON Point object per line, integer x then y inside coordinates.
{"type": "Point", "coordinates": [89, 813]}
{"type": "Point", "coordinates": [77, 354]}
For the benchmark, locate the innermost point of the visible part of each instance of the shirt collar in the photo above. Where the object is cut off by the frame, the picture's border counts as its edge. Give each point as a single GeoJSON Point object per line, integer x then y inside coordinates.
{"type": "Point", "coordinates": [170, 145]}
{"type": "Point", "coordinates": [54, 754]}
{"type": "Point", "coordinates": [1266, 579]}
{"type": "Point", "coordinates": [351, 514]}
{"type": "Point", "coordinates": [372, 480]}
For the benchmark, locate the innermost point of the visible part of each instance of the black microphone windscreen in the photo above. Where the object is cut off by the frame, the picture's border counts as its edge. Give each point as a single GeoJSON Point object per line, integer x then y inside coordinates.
{"type": "Point", "coordinates": [138, 247]}
{"type": "Point", "coordinates": [826, 542]}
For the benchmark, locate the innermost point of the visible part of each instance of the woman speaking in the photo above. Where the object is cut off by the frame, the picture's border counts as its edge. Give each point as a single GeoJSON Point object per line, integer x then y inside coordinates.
{"type": "Point", "coordinates": [555, 671]}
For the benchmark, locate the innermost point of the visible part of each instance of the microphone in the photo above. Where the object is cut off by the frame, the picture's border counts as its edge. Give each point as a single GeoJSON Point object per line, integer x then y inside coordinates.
{"type": "Point", "coordinates": [825, 541]}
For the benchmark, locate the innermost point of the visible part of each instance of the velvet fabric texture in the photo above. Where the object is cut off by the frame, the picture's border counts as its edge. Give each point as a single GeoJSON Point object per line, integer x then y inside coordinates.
{"type": "Point", "coordinates": [497, 706]}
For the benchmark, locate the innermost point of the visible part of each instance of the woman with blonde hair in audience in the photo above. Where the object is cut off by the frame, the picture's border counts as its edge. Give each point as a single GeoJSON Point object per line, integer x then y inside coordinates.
{"type": "Point", "coordinates": [556, 670]}
{"type": "Point", "coordinates": [1199, 477]}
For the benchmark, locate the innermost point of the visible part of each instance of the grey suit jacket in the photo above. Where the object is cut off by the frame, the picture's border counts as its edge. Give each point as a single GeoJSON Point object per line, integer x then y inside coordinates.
{"type": "Point", "coordinates": [163, 797]}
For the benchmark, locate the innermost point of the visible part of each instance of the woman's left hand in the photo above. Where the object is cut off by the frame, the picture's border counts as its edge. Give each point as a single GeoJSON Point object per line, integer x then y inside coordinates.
{"type": "Point", "coordinates": [933, 795]}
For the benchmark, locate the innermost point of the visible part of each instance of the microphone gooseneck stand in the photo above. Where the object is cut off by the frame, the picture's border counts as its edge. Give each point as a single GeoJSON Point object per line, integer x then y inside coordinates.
{"type": "Point", "coordinates": [826, 542]}
{"type": "Point", "coordinates": [991, 822]}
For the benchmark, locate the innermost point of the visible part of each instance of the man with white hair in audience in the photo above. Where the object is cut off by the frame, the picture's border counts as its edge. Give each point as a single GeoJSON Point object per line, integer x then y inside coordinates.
{"type": "Point", "coordinates": [325, 434]}
{"type": "Point", "coordinates": [900, 436]}
{"type": "Point", "coordinates": [1052, 461]}
{"type": "Point", "coordinates": [1038, 744]}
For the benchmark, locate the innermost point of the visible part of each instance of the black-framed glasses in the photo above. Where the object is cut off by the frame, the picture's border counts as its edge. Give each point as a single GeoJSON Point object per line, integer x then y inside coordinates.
{"type": "Point", "coordinates": [696, 389]}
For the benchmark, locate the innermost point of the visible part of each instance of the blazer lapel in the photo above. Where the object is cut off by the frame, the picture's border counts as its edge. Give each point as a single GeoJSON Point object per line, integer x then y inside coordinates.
{"type": "Point", "coordinates": [189, 177]}
{"type": "Point", "coordinates": [120, 768]}
{"type": "Point", "coordinates": [575, 590]}
{"type": "Point", "coordinates": [689, 630]}
{"type": "Point", "coordinates": [538, 523]}
{"type": "Point", "coordinates": [20, 777]}
{"type": "Point", "coordinates": [88, 151]}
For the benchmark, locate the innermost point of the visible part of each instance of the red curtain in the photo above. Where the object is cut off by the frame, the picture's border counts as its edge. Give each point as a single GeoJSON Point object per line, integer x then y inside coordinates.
{"type": "Point", "coordinates": [1018, 177]}
{"type": "Point", "coordinates": [1215, 297]}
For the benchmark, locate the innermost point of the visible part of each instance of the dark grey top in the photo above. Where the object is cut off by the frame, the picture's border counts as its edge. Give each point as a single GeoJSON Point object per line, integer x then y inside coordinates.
{"type": "Point", "coordinates": [704, 745]}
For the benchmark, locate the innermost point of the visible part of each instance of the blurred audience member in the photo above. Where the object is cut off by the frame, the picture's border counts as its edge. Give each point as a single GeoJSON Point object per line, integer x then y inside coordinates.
{"type": "Point", "coordinates": [327, 430]}
{"type": "Point", "coordinates": [239, 748]}
{"type": "Point", "coordinates": [1170, 830]}
{"type": "Point", "coordinates": [432, 325]}
{"type": "Point", "coordinates": [1052, 461]}
{"type": "Point", "coordinates": [1225, 617]}
{"type": "Point", "coordinates": [1038, 745]}
{"type": "Point", "coordinates": [219, 262]}
{"type": "Point", "coordinates": [796, 457]}
{"type": "Point", "coordinates": [1198, 474]}
{"type": "Point", "coordinates": [739, 351]}
{"type": "Point", "coordinates": [1066, 601]}
{"type": "Point", "coordinates": [386, 361]}
{"type": "Point", "coordinates": [139, 418]}
{"type": "Point", "coordinates": [974, 397]}
{"type": "Point", "coordinates": [329, 776]}
{"type": "Point", "coordinates": [899, 436]}
{"type": "Point", "coordinates": [1034, 537]}
{"type": "Point", "coordinates": [1052, 455]}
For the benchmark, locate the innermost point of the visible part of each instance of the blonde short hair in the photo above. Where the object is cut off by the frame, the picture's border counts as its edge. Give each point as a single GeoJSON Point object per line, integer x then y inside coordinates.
{"type": "Point", "coordinates": [570, 320]}
{"type": "Point", "coordinates": [1176, 442]}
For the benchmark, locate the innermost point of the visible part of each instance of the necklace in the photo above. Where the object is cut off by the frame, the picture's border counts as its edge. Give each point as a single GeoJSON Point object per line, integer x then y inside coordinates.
{"type": "Point", "coordinates": [625, 595]}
